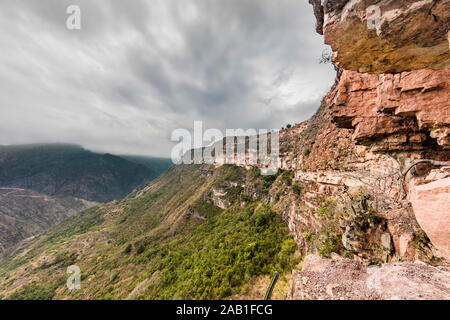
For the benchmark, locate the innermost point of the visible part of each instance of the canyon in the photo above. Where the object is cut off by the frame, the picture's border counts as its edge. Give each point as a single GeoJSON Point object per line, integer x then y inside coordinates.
{"type": "Point", "coordinates": [359, 209]}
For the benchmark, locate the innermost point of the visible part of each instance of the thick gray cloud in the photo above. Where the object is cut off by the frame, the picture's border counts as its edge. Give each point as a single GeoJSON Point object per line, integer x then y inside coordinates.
{"type": "Point", "coordinates": [139, 69]}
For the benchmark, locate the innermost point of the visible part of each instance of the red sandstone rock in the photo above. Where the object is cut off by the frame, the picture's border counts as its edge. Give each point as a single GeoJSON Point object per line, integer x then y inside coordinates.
{"type": "Point", "coordinates": [385, 36]}
{"type": "Point", "coordinates": [431, 205]}
{"type": "Point", "coordinates": [410, 108]}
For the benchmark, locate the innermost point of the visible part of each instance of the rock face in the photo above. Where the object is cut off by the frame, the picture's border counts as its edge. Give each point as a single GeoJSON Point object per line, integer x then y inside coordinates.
{"type": "Point", "coordinates": [350, 196]}
{"type": "Point", "coordinates": [392, 94]}
{"type": "Point", "coordinates": [386, 36]}
{"type": "Point", "coordinates": [345, 279]}
{"type": "Point", "coordinates": [430, 202]}
{"type": "Point", "coordinates": [404, 111]}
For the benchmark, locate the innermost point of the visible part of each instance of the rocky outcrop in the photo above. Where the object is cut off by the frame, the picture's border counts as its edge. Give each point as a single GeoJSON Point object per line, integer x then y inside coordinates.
{"type": "Point", "coordinates": [386, 36]}
{"type": "Point", "coordinates": [392, 112]}
{"type": "Point", "coordinates": [430, 201]}
{"type": "Point", "coordinates": [392, 94]}
{"type": "Point", "coordinates": [345, 279]}
{"type": "Point", "coordinates": [348, 193]}
{"type": "Point", "coordinates": [218, 198]}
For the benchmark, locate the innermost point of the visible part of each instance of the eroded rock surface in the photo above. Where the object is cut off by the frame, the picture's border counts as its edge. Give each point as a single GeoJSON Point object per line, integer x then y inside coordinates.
{"type": "Point", "coordinates": [386, 36]}
{"type": "Point", "coordinates": [430, 202]}
{"type": "Point", "coordinates": [392, 93]}
{"type": "Point", "coordinates": [345, 279]}
{"type": "Point", "coordinates": [404, 111]}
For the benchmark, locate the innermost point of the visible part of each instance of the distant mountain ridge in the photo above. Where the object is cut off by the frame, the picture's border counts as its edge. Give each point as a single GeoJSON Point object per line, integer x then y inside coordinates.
{"type": "Point", "coordinates": [70, 170]}
{"type": "Point", "coordinates": [43, 184]}
{"type": "Point", "coordinates": [158, 165]}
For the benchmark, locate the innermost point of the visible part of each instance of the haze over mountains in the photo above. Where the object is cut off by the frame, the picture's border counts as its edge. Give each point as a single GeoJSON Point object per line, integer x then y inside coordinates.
{"type": "Point", "coordinates": [41, 184]}
{"type": "Point", "coordinates": [69, 170]}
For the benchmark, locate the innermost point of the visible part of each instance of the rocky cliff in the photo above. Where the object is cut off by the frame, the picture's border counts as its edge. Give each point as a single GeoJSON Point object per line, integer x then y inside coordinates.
{"type": "Point", "coordinates": [388, 36]}
{"type": "Point", "coordinates": [392, 89]}
{"type": "Point", "coordinates": [367, 177]}
{"type": "Point", "coordinates": [383, 180]}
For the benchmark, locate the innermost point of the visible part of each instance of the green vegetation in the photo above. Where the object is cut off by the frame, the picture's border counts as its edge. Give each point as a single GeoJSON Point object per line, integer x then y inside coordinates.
{"type": "Point", "coordinates": [218, 257]}
{"type": "Point", "coordinates": [167, 241]}
{"type": "Point", "coordinates": [306, 152]}
{"type": "Point", "coordinates": [287, 177]}
{"type": "Point", "coordinates": [62, 259]}
{"type": "Point", "coordinates": [255, 173]}
{"type": "Point", "coordinates": [77, 224]}
{"type": "Point", "coordinates": [325, 210]}
{"type": "Point", "coordinates": [140, 249]}
{"type": "Point", "coordinates": [284, 149]}
{"type": "Point", "coordinates": [267, 182]}
{"type": "Point", "coordinates": [205, 209]}
{"type": "Point", "coordinates": [296, 188]}
{"type": "Point", "coordinates": [330, 242]}
{"type": "Point", "coordinates": [422, 243]}
{"type": "Point", "coordinates": [34, 292]}
{"type": "Point", "coordinates": [128, 249]}
{"type": "Point", "coordinates": [246, 198]}
{"type": "Point", "coordinates": [229, 172]}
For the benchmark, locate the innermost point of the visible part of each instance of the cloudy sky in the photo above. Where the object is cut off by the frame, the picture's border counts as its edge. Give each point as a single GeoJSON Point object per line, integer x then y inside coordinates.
{"type": "Point", "coordinates": [139, 69]}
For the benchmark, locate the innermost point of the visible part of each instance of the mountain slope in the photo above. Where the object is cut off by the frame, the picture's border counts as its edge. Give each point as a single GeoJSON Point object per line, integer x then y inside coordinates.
{"type": "Point", "coordinates": [69, 170]}
{"type": "Point", "coordinates": [40, 185]}
{"type": "Point", "coordinates": [166, 241]}
{"type": "Point", "coordinates": [25, 213]}
{"type": "Point", "coordinates": [157, 165]}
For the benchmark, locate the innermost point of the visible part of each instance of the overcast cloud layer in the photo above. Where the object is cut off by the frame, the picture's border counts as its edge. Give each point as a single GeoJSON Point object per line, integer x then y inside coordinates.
{"type": "Point", "coordinates": [139, 69]}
